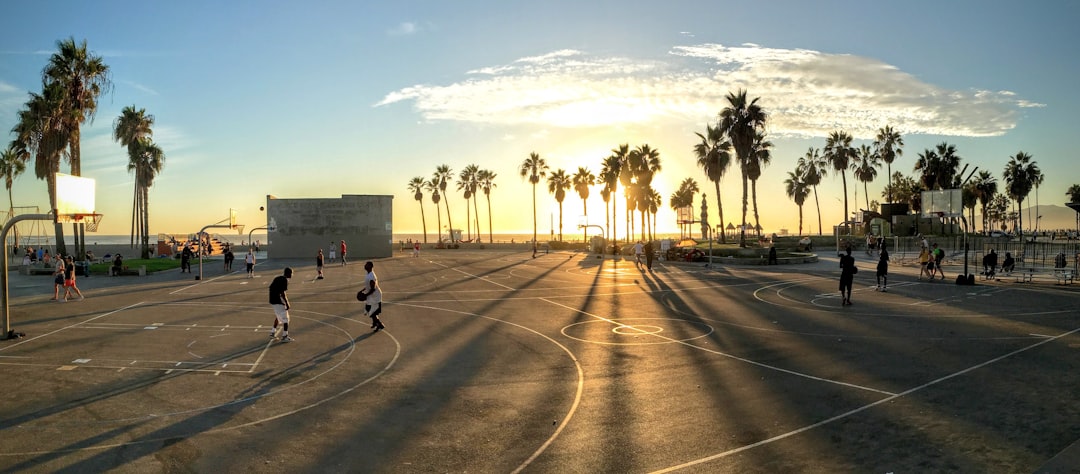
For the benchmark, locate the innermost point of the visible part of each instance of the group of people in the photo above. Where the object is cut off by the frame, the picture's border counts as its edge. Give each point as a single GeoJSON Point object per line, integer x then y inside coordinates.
{"type": "Point", "coordinates": [930, 258]}
{"type": "Point", "coordinates": [848, 271]}
{"type": "Point", "coordinates": [64, 277]}
{"type": "Point", "coordinates": [990, 264]}
{"type": "Point", "coordinates": [644, 249]}
{"type": "Point", "coordinates": [370, 294]}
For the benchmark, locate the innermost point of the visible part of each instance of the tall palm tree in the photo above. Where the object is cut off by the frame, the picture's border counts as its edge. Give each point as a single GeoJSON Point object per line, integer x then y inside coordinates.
{"type": "Point", "coordinates": [609, 174]}
{"type": "Point", "coordinates": [146, 160]}
{"type": "Point", "coordinates": [84, 77]}
{"type": "Point", "coordinates": [416, 185]}
{"type": "Point", "coordinates": [40, 133]}
{"type": "Point", "coordinates": [741, 121]}
{"type": "Point", "coordinates": [558, 183]}
{"type": "Point", "coordinates": [534, 168]}
{"type": "Point", "coordinates": [129, 128]}
{"type": "Point", "coordinates": [865, 169]}
{"type": "Point", "coordinates": [687, 189]}
{"type": "Point", "coordinates": [839, 153]}
{"type": "Point", "coordinates": [985, 189]}
{"type": "Point", "coordinates": [655, 200]}
{"type": "Point", "coordinates": [1019, 172]}
{"type": "Point", "coordinates": [626, 179]}
{"type": "Point", "coordinates": [888, 145]}
{"type": "Point", "coordinates": [583, 179]}
{"type": "Point", "coordinates": [969, 196]}
{"type": "Point", "coordinates": [948, 173]}
{"type": "Point", "coordinates": [798, 191]}
{"type": "Point", "coordinates": [713, 154]}
{"type": "Point", "coordinates": [645, 163]}
{"type": "Point", "coordinates": [759, 158]}
{"type": "Point", "coordinates": [11, 166]}
{"type": "Point", "coordinates": [467, 184]}
{"type": "Point", "coordinates": [1036, 180]}
{"type": "Point", "coordinates": [432, 186]}
{"type": "Point", "coordinates": [486, 180]}
{"type": "Point", "coordinates": [443, 174]}
{"type": "Point", "coordinates": [813, 168]}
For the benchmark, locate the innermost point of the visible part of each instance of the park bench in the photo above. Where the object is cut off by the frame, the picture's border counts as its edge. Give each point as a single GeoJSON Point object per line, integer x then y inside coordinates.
{"type": "Point", "coordinates": [139, 271]}
{"type": "Point", "coordinates": [1028, 274]}
{"type": "Point", "coordinates": [1064, 276]}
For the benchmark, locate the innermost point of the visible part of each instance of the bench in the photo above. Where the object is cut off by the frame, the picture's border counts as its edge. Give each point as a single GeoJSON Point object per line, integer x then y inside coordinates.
{"type": "Point", "coordinates": [1064, 276]}
{"type": "Point", "coordinates": [140, 271]}
{"type": "Point", "coordinates": [36, 270]}
{"type": "Point", "coordinates": [1028, 274]}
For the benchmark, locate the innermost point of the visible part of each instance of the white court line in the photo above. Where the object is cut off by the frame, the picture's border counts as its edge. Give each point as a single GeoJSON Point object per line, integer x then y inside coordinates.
{"type": "Point", "coordinates": [178, 290]}
{"type": "Point", "coordinates": [475, 276]}
{"type": "Point", "coordinates": [730, 356]}
{"type": "Point", "coordinates": [125, 308]}
{"type": "Point", "coordinates": [862, 408]}
{"type": "Point", "coordinates": [577, 395]}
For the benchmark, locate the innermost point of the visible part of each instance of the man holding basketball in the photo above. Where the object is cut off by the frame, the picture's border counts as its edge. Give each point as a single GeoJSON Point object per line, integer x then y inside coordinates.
{"type": "Point", "coordinates": [280, 302]}
{"type": "Point", "coordinates": [371, 295]}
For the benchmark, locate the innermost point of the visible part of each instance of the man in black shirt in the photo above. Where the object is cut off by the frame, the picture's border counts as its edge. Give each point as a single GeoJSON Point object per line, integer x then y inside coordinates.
{"type": "Point", "coordinates": [280, 302]}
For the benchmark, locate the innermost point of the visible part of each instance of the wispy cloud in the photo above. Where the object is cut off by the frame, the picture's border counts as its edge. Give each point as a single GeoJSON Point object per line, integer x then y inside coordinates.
{"type": "Point", "coordinates": [405, 28]}
{"type": "Point", "coordinates": [807, 93]}
{"type": "Point", "coordinates": [141, 87]}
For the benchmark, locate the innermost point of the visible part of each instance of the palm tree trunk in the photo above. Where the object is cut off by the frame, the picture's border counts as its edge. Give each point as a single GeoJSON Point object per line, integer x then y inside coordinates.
{"type": "Point", "coordinates": [423, 219]}
{"type": "Point", "coordinates": [468, 220]}
{"type": "Point", "coordinates": [146, 222]}
{"type": "Point", "coordinates": [757, 222]}
{"type": "Point", "coordinates": [867, 193]}
{"type": "Point", "coordinates": [491, 238]}
{"type": "Point", "coordinates": [134, 212]}
{"type": "Point", "coordinates": [534, 220]}
{"type": "Point", "coordinates": [448, 221]}
{"type": "Point", "coordinates": [438, 223]}
{"type": "Point", "coordinates": [476, 218]}
{"type": "Point", "coordinates": [742, 230]}
{"type": "Point", "coordinates": [719, 207]}
{"type": "Point", "coordinates": [560, 221]}
{"type": "Point", "coordinates": [800, 219]}
{"type": "Point", "coordinates": [818, 203]}
{"type": "Point", "coordinates": [843, 176]}
{"type": "Point", "coordinates": [889, 185]}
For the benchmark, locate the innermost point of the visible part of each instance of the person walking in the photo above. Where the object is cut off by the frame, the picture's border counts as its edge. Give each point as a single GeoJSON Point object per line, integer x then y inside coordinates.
{"type": "Point", "coordinates": [882, 269]}
{"type": "Point", "coordinates": [372, 295]}
{"type": "Point", "coordinates": [343, 248]}
{"type": "Point", "coordinates": [638, 250]}
{"type": "Point", "coordinates": [989, 265]}
{"type": "Point", "coordinates": [229, 257]}
{"type": "Point", "coordinates": [58, 278]}
{"type": "Point", "coordinates": [280, 302]}
{"type": "Point", "coordinates": [649, 255]}
{"type": "Point", "coordinates": [924, 263]}
{"type": "Point", "coordinates": [69, 280]}
{"type": "Point", "coordinates": [185, 258]}
{"type": "Point", "coordinates": [847, 275]}
{"type": "Point", "coordinates": [938, 255]}
{"type": "Point", "coordinates": [249, 261]}
{"type": "Point", "coordinates": [319, 265]}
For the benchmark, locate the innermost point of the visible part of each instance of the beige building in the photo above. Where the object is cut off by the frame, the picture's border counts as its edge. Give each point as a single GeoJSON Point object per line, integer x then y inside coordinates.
{"type": "Point", "coordinates": [298, 228]}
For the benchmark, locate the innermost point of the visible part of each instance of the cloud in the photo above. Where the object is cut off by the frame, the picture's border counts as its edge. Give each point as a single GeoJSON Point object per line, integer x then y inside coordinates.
{"type": "Point", "coordinates": [807, 93]}
{"type": "Point", "coordinates": [140, 87]}
{"type": "Point", "coordinates": [404, 29]}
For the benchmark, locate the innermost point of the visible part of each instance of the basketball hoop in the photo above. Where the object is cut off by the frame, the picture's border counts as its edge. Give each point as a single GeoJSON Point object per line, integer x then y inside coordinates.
{"type": "Point", "coordinates": [89, 221]}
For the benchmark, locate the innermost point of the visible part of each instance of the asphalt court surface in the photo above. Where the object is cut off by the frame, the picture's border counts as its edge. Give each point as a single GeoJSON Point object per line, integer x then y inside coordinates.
{"type": "Point", "coordinates": [497, 362]}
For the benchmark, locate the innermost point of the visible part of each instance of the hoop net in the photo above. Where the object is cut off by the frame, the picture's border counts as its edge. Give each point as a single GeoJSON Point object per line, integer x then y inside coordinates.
{"type": "Point", "coordinates": [89, 221]}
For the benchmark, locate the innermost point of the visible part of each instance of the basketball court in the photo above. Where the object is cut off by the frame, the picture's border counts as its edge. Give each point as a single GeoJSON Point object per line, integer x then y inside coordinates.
{"type": "Point", "coordinates": [497, 362]}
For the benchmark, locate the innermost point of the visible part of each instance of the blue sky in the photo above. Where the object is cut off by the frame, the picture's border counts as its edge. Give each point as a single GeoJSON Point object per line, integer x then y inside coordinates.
{"type": "Point", "coordinates": [327, 98]}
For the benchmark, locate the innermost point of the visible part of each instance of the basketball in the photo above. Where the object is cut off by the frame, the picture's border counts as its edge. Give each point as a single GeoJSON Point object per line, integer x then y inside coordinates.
{"type": "Point", "coordinates": [361, 296]}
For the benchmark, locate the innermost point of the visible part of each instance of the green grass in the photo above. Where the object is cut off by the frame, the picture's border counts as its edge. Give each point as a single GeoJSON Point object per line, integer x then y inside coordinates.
{"type": "Point", "coordinates": [152, 265]}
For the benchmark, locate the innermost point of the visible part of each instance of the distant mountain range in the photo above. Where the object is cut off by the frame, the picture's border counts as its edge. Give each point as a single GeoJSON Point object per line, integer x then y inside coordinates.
{"type": "Point", "coordinates": [1053, 217]}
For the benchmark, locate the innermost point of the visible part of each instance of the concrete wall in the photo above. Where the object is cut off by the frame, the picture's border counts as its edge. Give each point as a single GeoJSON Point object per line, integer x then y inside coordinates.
{"type": "Point", "coordinates": [298, 228]}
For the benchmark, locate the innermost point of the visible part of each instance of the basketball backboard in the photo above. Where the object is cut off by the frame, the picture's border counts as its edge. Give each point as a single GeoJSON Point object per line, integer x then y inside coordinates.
{"type": "Point", "coordinates": [942, 202]}
{"type": "Point", "coordinates": [74, 197]}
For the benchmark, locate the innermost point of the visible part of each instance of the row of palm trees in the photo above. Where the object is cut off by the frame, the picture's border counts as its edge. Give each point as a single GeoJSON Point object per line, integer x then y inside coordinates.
{"type": "Point", "coordinates": [48, 130]}
{"type": "Point", "coordinates": [471, 180]}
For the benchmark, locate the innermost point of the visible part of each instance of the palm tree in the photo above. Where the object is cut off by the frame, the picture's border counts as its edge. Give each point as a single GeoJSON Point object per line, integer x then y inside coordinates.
{"type": "Point", "coordinates": [626, 179]}
{"type": "Point", "coordinates": [146, 160]}
{"type": "Point", "coordinates": [609, 175]}
{"type": "Point", "coordinates": [714, 157]}
{"type": "Point", "coordinates": [582, 180]}
{"type": "Point", "coordinates": [486, 180]}
{"type": "Point", "coordinates": [798, 191]}
{"type": "Point", "coordinates": [839, 153]}
{"type": "Point", "coordinates": [416, 185]}
{"type": "Point", "coordinates": [969, 196]}
{"type": "Point", "coordinates": [1019, 180]}
{"type": "Point", "coordinates": [39, 133]}
{"type": "Point", "coordinates": [655, 200]}
{"type": "Point", "coordinates": [759, 158]}
{"type": "Point", "coordinates": [443, 174]}
{"type": "Point", "coordinates": [84, 77]}
{"type": "Point", "coordinates": [741, 120]}
{"type": "Point", "coordinates": [865, 170]}
{"type": "Point", "coordinates": [558, 183]}
{"type": "Point", "coordinates": [985, 189]}
{"type": "Point", "coordinates": [687, 189]}
{"type": "Point", "coordinates": [1037, 180]}
{"type": "Point", "coordinates": [534, 168]}
{"type": "Point", "coordinates": [644, 163]}
{"type": "Point", "coordinates": [467, 184]}
{"type": "Point", "coordinates": [1074, 193]}
{"type": "Point", "coordinates": [813, 169]}
{"type": "Point", "coordinates": [949, 167]}
{"type": "Point", "coordinates": [888, 146]}
{"type": "Point", "coordinates": [432, 186]}
{"type": "Point", "coordinates": [128, 129]}
{"type": "Point", "coordinates": [11, 166]}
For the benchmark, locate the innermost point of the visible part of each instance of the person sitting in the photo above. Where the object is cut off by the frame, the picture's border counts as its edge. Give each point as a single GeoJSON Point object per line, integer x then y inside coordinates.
{"type": "Point", "coordinates": [117, 266]}
{"type": "Point", "coordinates": [1008, 265]}
{"type": "Point", "coordinates": [805, 244]}
{"type": "Point", "coordinates": [989, 264]}
{"type": "Point", "coordinates": [90, 256]}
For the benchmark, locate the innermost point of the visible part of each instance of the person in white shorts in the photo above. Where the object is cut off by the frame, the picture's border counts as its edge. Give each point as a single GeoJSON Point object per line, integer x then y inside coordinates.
{"type": "Point", "coordinates": [373, 301]}
{"type": "Point", "coordinates": [280, 302]}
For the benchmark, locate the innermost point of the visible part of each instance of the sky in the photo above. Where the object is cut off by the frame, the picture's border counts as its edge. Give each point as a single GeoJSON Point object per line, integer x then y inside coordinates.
{"type": "Point", "coordinates": [324, 98]}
